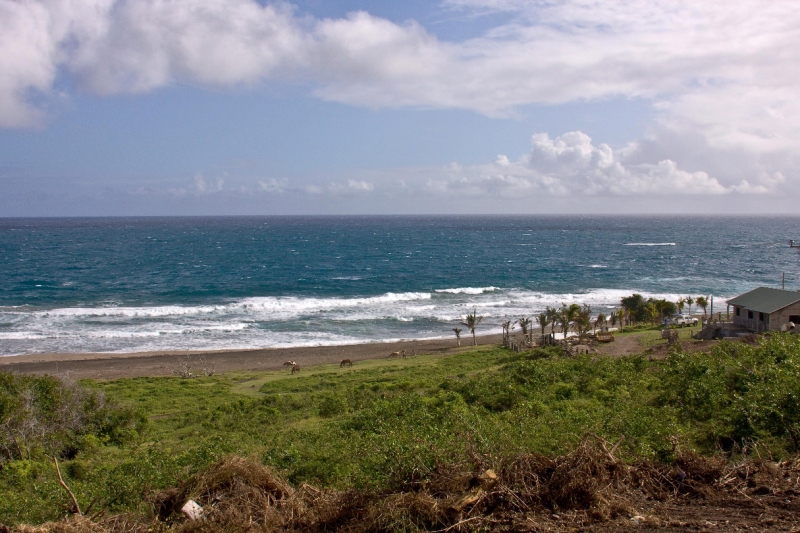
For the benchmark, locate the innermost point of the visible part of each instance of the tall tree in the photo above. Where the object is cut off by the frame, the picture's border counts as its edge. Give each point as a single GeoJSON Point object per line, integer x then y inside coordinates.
{"type": "Point", "coordinates": [524, 323]}
{"type": "Point", "coordinates": [567, 316]}
{"type": "Point", "coordinates": [680, 303]}
{"type": "Point", "coordinates": [701, 301]}
{"type": "Point", "coordinates": [583, 321]}
{"type": "Point", "coordinates": [652, 311]}
{"type": "Point", "coordinates": [458, 335]}
{"type": "Point", "coordinates": [689, 301]}
{"type": "Point", "coordinates": [472, 321]}
{"type": "Point", "coordinates": [543, 319]}
{"type": "Point", "coordinates": [634, 305]}
{"type": "Point", "coordinates": [552, 317]}
{"type": "Point", "coordinates": [507, 326]}
{"type": "Point", "coordinates": [600, 320]}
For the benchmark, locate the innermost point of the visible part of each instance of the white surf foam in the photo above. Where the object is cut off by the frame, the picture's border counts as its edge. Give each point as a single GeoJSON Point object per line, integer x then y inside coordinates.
{"type": "Point", "coordinates": [259, 322]}
{"type": "Point", "coordinates": [467, 290]}
{"type": "Point", "coordinates": [650, 244]}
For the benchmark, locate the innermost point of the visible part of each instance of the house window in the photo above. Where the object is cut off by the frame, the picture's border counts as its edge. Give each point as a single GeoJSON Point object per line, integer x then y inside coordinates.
{"type": "Point", "coordinates": [761, 317]}
{"type": "Point", "coordinates": [738, 311]}
{"type": "Point", "coordinates": [794, 318]}
{"type": "Point", "coordinates": [750, 315]}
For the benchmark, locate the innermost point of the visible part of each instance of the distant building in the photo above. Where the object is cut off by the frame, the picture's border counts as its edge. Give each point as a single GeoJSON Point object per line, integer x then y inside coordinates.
{"type": "Point", "coordinates": [765, 309]}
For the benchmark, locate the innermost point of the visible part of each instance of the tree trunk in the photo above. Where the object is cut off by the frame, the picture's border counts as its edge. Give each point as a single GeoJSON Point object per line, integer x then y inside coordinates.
{"type": "Point", "coordinates": [474, 340]}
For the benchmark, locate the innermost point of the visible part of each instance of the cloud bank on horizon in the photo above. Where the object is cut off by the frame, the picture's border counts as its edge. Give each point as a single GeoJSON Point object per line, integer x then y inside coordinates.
{"type": "Point", "coordinates": [721, 76]}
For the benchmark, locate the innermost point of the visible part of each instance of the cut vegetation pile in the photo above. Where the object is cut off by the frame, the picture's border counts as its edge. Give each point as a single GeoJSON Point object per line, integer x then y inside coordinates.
{"type": "Point", "coordinates": [588, 488]}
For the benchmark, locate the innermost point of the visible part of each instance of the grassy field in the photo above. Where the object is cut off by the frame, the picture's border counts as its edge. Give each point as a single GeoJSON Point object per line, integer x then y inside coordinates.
{"type": "Point", "coordinates": [387, 424]}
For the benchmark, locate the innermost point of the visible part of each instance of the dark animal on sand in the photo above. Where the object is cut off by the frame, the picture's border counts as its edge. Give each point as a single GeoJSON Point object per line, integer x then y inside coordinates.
{"type": "Point", "coordinates": [345, 362]}
{"type": "Point", "coordinates": [295, 368]}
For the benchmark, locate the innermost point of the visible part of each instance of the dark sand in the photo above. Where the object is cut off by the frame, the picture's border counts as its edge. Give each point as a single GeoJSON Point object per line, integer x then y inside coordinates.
{"type": "Point", "coordinates": [130, 365]}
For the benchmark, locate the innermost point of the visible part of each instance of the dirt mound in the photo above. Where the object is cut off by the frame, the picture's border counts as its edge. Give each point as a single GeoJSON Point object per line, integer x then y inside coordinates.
{"type": "Point", "coordinates": [589, 489]}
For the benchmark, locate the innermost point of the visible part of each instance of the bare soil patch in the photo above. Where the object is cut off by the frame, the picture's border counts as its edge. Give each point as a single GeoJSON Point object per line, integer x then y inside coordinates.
{"type": "Point", "coordinates": [148, 364]}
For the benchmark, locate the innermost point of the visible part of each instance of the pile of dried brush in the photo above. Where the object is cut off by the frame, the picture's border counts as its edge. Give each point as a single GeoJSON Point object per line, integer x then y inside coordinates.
{"type": "Point", "coordinates": [589, 484]}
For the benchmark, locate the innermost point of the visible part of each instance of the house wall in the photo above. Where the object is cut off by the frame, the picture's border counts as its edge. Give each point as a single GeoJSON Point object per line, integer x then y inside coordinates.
{"type": "Point", "coordinates": [781, 317]}
{"type": "Point", "coordinates": [753, 324]}
{"type": "Point", "coordinates": [739, 316]}
{"type": "Point", "coordinates": [772, 322]}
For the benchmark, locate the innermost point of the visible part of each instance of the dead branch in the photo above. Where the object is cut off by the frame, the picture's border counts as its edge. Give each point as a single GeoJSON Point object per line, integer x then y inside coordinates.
{"type": "Point", "coordinates": [456, 524]}
{"type": "Point", "coordinates": [66, 488]}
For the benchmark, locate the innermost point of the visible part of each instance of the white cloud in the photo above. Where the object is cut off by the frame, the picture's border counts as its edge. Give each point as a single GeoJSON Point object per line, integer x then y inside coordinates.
{"type": "Point", "coordinates": [27, 60]}
{"type": "Point", "coordinates": [724, 71]}
{"type": "Point", "coordinates": [206, 187]}
{"type": "Point", "coordinates": [552, 52]}
{"type": "Point", "coordinates": [273, 185]}
{"type": "Point", "coordinates": [360, 185]}
{"type": "Point", "coordinates": [571, 165]}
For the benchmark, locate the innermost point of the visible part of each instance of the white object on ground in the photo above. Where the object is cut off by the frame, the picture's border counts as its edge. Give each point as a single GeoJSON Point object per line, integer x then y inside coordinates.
{"type": "Point", "coordinates": [192, 510]}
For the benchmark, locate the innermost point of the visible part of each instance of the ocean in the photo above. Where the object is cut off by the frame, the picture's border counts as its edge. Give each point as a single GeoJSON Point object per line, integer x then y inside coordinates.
{"type": "Point", "coordinates": [151, 284]}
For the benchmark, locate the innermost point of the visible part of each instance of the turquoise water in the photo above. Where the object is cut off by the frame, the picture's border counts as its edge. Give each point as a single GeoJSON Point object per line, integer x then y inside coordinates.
{"type": "Point", "coordinates": [130, 284]}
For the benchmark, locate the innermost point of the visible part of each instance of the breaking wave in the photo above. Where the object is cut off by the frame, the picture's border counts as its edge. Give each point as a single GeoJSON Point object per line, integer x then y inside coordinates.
{"type": "Point", "coordinates": [259, 322]}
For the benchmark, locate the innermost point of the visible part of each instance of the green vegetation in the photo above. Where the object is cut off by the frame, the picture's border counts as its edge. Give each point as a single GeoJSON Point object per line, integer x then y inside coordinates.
{"type": "Point", "coordinates": [387, 424]}
{"type": "Point", "coordinates": [640, 310]}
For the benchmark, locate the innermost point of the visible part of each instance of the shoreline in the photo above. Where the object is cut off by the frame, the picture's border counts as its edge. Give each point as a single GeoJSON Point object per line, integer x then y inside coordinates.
{"type": "Point", "coordinates": [167, 363]}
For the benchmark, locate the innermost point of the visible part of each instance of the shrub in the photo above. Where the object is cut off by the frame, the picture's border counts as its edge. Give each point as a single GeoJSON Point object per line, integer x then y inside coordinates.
{"type": "Point", "coordinates": [739, 392]}
{"type": "Point", "coordinates": [43, 415]}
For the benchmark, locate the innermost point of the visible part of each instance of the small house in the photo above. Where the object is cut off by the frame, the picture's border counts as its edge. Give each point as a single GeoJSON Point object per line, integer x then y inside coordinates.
{"type": "Point", "coordinates": [765, 309]}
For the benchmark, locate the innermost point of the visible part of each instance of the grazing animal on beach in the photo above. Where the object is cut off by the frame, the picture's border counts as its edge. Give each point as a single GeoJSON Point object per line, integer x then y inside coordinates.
{"type": "Point", "coordinates": [295, 368]}
{"type": "Point", "coordinates": [345, 362]}
{"type": "Point", "coordinates": [403, 354]}
{"type": "Point", "coordinates": [289, 363]}
{"type": "Point", "coordinates": [394, 354]}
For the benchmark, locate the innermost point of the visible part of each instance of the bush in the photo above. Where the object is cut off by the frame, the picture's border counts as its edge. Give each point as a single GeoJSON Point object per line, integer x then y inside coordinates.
{"type": "Point", "coordinates": [41, 415]}
{"type": "Point", "coordinates": [739, 392]}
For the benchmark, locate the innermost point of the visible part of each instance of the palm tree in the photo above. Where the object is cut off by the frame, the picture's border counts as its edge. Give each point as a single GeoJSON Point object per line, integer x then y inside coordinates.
{"type": "Point", "coordinates": [507, 326]}
{"type": "Point", "coordinates": [702, 302]}
{"type": "Point", "coordinates": [652, 312]}
{"type": "Point", "coordinates": [543, 319]}
{"type": "Point", "coordinates": [689, 301]}
{"type": "Point", "coordinates": [583, 321]}
{"type": "Point", "coordinates": [472, 321]}
{"type": "Point", "coordinates": [458, 335]}
{"type": "Point", "coordinates": [600, 320]}
{"type": "Point", "coordinates": [680, 303]}
{"type": "Point", "coordinates": [524, 323]}
{"type": "Point", "coordinates": [567, 316]}
{"type": "Point", "coordinates": [621, 317]}
{"type": "Point", "coordinates": [552, 318]}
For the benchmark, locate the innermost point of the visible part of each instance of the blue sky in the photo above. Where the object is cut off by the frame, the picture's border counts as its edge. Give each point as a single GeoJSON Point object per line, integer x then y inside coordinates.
{"type": "Point", "coordinates": [148, 107]}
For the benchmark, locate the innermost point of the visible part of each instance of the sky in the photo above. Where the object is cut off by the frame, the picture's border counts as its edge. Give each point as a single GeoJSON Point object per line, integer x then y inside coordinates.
{"type": "Point", "coordinates": [239, 107]}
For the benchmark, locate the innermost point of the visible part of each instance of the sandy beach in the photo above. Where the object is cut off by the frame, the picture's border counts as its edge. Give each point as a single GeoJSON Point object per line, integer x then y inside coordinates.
{"type": "Point", "coordinates": [150, 364]}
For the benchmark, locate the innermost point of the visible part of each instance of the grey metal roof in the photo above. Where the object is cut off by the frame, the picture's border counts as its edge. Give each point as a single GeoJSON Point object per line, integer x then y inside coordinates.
{"type": "Point", "coordinates": [765, 300]}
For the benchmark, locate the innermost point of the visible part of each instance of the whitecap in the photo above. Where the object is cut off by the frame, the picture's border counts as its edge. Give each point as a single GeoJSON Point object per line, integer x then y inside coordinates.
{"type": "Point", "coordinates": [650, 244]}
{"type": "Point", "coordinates": [467, 290]}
